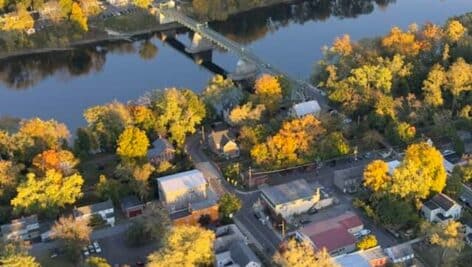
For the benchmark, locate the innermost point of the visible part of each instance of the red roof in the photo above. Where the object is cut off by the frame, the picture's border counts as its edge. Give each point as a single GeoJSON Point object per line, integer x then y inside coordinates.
{"type": "Point", "coordinates": [333, 239]}
{"type": "Point", "coordinates": [351, 221]}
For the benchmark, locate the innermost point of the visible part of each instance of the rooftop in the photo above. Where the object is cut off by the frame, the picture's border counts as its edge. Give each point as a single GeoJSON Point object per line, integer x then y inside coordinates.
{"type": "Point", "coordinates": [242, 254]}
{"type": "Point", "coordinates": [284, 193]}
{"type": "Point", "coordinates": [130, 202]}
{"type": "Point", "coordinates": [19, 224]}
{"type": "Point", "coordinates": [440, 201]}
{"type": "Point", "coordinates": [305, 108]}
{"type": "Point", "coordinates": [349, 173]}
{"type": "Point", "coordinates": [399, 251]}
{"type": "Point", "coordinates": [159, 146]}
{"type": "Point", "coordinates": [361, 258]}
{"type": "Point", "coordinates": [182, 180]}
{"type": "Point", "coordinates": [90, 209]}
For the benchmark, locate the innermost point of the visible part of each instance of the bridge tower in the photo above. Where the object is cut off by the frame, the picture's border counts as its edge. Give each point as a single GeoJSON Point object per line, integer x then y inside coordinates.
{"type": "Point", "coordinates": [244, 70]}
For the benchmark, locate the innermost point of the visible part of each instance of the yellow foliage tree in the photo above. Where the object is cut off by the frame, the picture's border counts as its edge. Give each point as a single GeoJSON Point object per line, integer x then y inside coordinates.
{"type": "Point", "coordinates": [455, 30]}
{"type": "Point", "coordinates": [292, 145]}
{"type": "Point", "coordinates": [15, 254]}
{"type": "Point", "coordinates": [48, 193]}
{"type": "Point", "coordinates": [142, 3]}
{"type": "Point", "coordinates": [342, 45]}
{"type": "Point", "coordinates": [73, 234]}
{"type": "Point", "coordinates": [459, 79]}
{"type": "Point", "coordinates": [448, 237]}
{"type": "Point", "coordinates": [20, 20]}
{"type": "Point", "coordinates": [420, 173]}
{"type": "Point", "coordinates": [246, 113]}
{"type": "Point", "coordinates": [401, 42]}
{"type": "Point", "coordinates": [185, 246]}
{"type": "Point", "coordinates": [432, 86]}
{"type": "Point", "coordinates": [78, 16]}
{"type": "Point", "coordinates": [132, 143]}
{"type": "Point", "coordinates": [301, 254]}
{"type": "Point", "coordinates": [269, 91]}
{"type": "Point", "coordinates": [376, 175]}
{"type": "Point", "coordinates": [367, 242]}
{"type": "Point", "coordinates": [63, 161]}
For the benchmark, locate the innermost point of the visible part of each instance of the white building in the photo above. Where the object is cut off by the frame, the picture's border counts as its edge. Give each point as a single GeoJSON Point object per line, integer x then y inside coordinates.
{"type": "Point", "coordinates": [305, 108]}
{"type": "Point", "coordinates": [231, 248]}
{"type": "Point", "coordinates": [103, 209]}
{"type": "Point", "coordinates": [292, 198]}
{"type": "Point", "coordinates": [441, 208]}
{"type": "Point", "coordinates": [26, 228]}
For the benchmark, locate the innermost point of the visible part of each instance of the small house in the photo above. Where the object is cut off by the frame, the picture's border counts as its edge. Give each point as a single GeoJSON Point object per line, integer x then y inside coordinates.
{"type": "Point", "coordinates": [402, 253]}
{"type": "Point", "coordinates": [373, 257]}
{"type": "Point", "coordinates": [103, 210]}
{"type": "Point", "coordinates": [349, 180]}
{"type": "Point", "coordinates": [231, 249]}
{"type": "Point", "coordinates": [441, 208]}
{"type": "Point", "coordinates": [26, 228]}
{"type": "Point", "coordinates": [162, 150]}
{"type": "Point", "coordinates": [131, 206]}
{"type": "Point", "coordinates": [306, 108]}
{"type": "Point", "coordinates": [223, 143]}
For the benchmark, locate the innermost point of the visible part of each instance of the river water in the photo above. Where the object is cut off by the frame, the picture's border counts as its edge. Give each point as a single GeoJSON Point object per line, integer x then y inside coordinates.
{"type": "Point", "coordinates": [61, 85]}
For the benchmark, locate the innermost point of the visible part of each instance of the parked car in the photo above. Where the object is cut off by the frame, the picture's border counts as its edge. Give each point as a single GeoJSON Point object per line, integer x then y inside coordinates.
{"type": "Point", "coordinates": [364, 232]}
{"type": "Point", "coordinates": [97, 247]}
{"type": "Point", "coordinates": [91, 248]}
{"type": "Point", "coordinates": [85, 251]}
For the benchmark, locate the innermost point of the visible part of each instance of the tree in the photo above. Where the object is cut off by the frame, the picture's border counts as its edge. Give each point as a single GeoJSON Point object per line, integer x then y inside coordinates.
{"type": "Point", "coordinates": [301, 254]}
{"type": "Point", "coordinates": [221, 94]}
{"type": "Point", "coordinates": [395, 212]}
{"type": "Point", "coordinates": [269, 92]}
{"type": "Point", "coordinates": [15, 254]}
{"type": "Point", "coordinates": [292, 145]}
{"type": "Point", "coordinates": [9, 179]}
{"type": "Point", "coordinates": [132, 143]}
{"type": "Point", "coordinates": [404, 43]}
{"type": "Point", "coordinates": [405, 131]}
{"type": "Point", "coordinates": [179, 112]}
{"type": "Point", "coordinates": [152, 225]}
{"type": "Point", "coordinates": [20, 20]}
{"type": "Point", "coordinates": [143, 117]}
{"type": "Point", "coordinates": [432, 86]}
{"type": "Point", "coordinates": [455, 30]}
{"type": "Point", "coordinates": [142, 3]}
{"type": "Point", "coordinates": [367, 242]}
{"type": "Point", "coordinates": [109, 189]}
{"type": "Point", "coordinates": [73, 234]}
{"type": "Point", "coordinates": [454, 183]}
{"type": "Point", "coordinates": [246, 114]}
{"type": "Point", "coordinates": [334, 145]}
{"type": "Point", "coordinates": [48, 193]}
{"type": "Point", "coordinates": [78, 16]}
{"type": "Point", "coordinates": [85, 143]}
{"type": "Point", "coordinates": [66, 8]}
{"type": "Point", "coordinates": [228, 204]}
{"type": "Point", "coordinates": [459, 79]}
{"type": "Point", "coordinates": [63, 161]}
{"type": "Point", "coordinates": [376, 176]}
{"type": "Point", "coordinates": [342, 45]}
{"type": "Point", "coordinates": [448, 237]}
{"type": "Point", "coordinates": [185, 246]}
{"type": "Point", "coordinates": [420, 173]}
{"type": "Point", "coordinates": [96, 262]}
{"type": "Point", "coordinates": [252, 135]}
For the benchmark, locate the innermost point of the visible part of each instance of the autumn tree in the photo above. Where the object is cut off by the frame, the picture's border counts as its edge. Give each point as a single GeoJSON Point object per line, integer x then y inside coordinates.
{"type": "Point", "coordinates": [47, 194]}
{"type": "Point", "coordinates": [342, 45]}
{"type": "Point", "coordinates": [179, 112]}
{"type": "Point", "coordinates": [432, 86]}
{"type": "Point", "coordinates": [228, 204]}
{"type": "Point", "coordinates": [268, 92]}
{"type": "Point", "coordinates": [132, 143]}
{"type": "Point", "coordinates": [152, 225]}
{"type": "Point", "coordinates": [65, 8]}
{"type": "Point", "coordinates": [333, 145]}
{"type": "Point", "coordinates": [109, 189]}
{"type": "Point", "coordinates": [376, 176]}
{"type": "Point", "coordinates": [185, 246]}
{"type": "Point", "coordinates": [459, 79]}
{"type": "Point", "coordinates": [420, 173]}
{"type": "Point", "coordinates": [292, 145]}
{"type": "Point", "coordinates": [454, 183]}
{"type": "Point", "coordinates": [398, 41]}
{"type": "Point", "coordinates": [246, 114]}
{"type": "Point", "coordinates": [95, 261]}
{"type": "Point", "coordinates": [136, 175]}
{"type": "Point", "coordinates": [222, 94]}
{"type": "Point", "coordinates": [405, 131]}
{"type": "Point", "coordinates": [63, 161]}
{"type": "Point", "coordinates": [252, 135]}
{"type": "Point", "coordinates": [15, 254]}
{"type": "Point", "coordinates": [142, 3]}
{"type": "Point", "coordinates": [78, 16]}
{"type": "Point", "coordinates": [448, 237]}
{"type": "Point", "coordinates": [367, 242]}
{"type": "Point", "coordinates": [19, 20]}
{"type": "Point", "coordinates": [73, 234]}
{"type": "Point", "coordinates": [301, 254]}
{"type": "Point", "coordinates": [455, 30]}
{"type": "Point", "coordinates": [9, 179]}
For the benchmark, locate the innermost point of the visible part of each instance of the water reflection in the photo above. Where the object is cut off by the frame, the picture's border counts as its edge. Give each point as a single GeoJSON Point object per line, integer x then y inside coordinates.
{"type": "Point", "coordinates": [25, 72]}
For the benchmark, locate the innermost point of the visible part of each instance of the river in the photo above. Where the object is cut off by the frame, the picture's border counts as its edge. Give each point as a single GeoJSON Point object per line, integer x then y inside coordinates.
{"type": "Point", "coordinates": [290, 36]}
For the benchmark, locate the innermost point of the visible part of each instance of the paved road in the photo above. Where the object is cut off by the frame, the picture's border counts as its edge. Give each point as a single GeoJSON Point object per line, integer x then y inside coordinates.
{"type": "Point", "coordinates": [262, 236]}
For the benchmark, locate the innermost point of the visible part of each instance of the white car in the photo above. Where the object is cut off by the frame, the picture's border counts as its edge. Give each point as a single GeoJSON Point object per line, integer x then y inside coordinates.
{"type": "Point", "coordinates": [85, 251]}
{"type": "Point", "coordinates": [97, 247]}
{"type": "Point", "coordinates": [364, 232]}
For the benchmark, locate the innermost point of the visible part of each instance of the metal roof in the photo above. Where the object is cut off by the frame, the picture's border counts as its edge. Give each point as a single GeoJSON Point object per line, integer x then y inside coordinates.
{"type": "Point", "coordinates": [305, 108]}
{"type": "Point", "coordinates": [94, 208]}
{"type": "Point", "coordinates": [181, 180]}
{"type": "Point", "coordinates": [284, 193]}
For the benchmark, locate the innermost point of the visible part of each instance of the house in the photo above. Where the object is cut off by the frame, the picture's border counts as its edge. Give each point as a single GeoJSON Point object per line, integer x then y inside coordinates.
{"type": "Point", "coordinates": [373, 257]}
{"type": "Point", "coordinates": [131, 206]}
{"type": "Point", "coordinates": [288, 199]}
{"type": "Point", "coordinates": [222, 142]}
{"type": "Point", "coordinates": [402, 253]}
{"type": "Point", "coordinates": [231, 249]}
{"type": "Point", "coordinates": [26, 228]}
{"type": "Point", "coordinates": [441, 208]}
{"type": "Point", "coordinates": [187, 196]}
{"type": "Point", "coordinates": [103, 209]}
{"type": "Point", "coordinates": [305, 108]}
{"type": "Point", "coordinates": [162, 150]}
{"type": "Point", "coordinates": [349, 180]}
{"type": "Point", "coordinates": [335, 234]}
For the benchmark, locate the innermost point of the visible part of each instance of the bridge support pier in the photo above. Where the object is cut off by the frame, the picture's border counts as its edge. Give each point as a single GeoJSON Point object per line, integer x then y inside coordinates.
{"type": "Point", "coordinates": [199, 44]}
{"type": "Point", "coordinates": [204, 56]}
{"type": "Point", "coordinates": [245, 70]}
{"type": "Point", "coordinates": [168, 34]}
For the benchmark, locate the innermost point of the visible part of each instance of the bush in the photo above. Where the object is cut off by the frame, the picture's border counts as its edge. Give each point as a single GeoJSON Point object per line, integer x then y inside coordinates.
{"type": "Point", "coordinates": [367, 242]}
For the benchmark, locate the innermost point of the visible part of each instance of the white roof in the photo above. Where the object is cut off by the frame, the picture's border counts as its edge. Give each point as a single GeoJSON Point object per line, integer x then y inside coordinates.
{"type": "Point", "coordinates": [448, 165]}
{"type": "Point", "coordinates": [304, 108]}
{"type": "Point", "coordinates": [392, 165]}
{"type": "Point", "coordinates": [181, 180]}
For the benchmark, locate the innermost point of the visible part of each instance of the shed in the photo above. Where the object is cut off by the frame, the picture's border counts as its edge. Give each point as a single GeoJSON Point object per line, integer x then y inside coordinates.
{"type": "Point", "coordinates": [131, 206]}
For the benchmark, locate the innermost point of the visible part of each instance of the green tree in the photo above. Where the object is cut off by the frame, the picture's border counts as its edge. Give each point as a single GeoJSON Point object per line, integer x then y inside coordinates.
{"type": "Point", "coordinates": [109, 189]}
{"type": "Point", "coordinates": [179, 112]}
{"type": "Point", "coordinates": [395, 212]}
{"type": "Point", "coordinates": [47, 194]}
{"type": "Point", "coordinates": [334, 145]}
{"type": "Point", "coordinates": [367, 242]}
{"type": "Point", "coordinates": [152, 225]}
{"type": "Point", "coordinates": [228, 204]}
{"type": "Point", "coordinates": [73, 235]}
{"type": "Point", "coordinates": [96, 262]}
{"type": "Point", "coordinates": [185, 246]}
{"type": "Point", "coordinates": [132, 143]}
{"type": "Point", "coordinates": [454, 183]}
